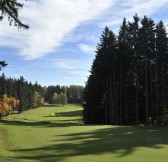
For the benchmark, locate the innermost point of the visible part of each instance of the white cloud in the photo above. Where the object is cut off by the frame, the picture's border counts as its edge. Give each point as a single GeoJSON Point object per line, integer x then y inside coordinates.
{"type": "Point", "coordinates": [70, 64]}
{"type": "Point", "coordinates": [143, 7]}
{"type": "Point", "coordinates": [166, 27]}
{"type": "Point", "coordinates": [50, 21]}
{"type": "Point", "coordinates": [87, 48]}
{"type": "Point", "coordinates": [128, 8]}
{"type": "Point", "coordinates": [64, 64]}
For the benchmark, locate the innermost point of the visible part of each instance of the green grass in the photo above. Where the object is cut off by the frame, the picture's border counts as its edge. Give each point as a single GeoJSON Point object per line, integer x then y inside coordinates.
{"type": "Point", "coordinates": [36, 135]}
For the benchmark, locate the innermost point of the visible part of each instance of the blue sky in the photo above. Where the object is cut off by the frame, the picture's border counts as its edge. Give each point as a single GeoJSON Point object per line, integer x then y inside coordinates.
{"type": "Point", "coordinates": [59, 46]}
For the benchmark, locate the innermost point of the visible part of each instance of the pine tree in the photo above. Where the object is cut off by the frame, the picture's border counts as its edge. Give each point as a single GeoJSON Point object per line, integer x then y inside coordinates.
{"type": "Point", "coordinates": [3, 86]}
{"type": "Point", "coordinates": [10, 9]}
{"type": "Point", "coordinates": [147, 49]}
{"type": "Point", "coordinates": [99, 93]}
{"type": "Point", "coordinates": [124, 53]}
{"type": "Point", "coordinates": [161, 79]}
{"type": "Point", "coordinates": [2, 64]}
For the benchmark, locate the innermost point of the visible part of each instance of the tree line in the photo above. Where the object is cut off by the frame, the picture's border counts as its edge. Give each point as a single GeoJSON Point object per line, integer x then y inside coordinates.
{"type": "Point", "coordinates": [19, 95]}
{"type": "Point", "coordinates": [128, 82]}
{"type": "Point", "coordinates": [61, 95]}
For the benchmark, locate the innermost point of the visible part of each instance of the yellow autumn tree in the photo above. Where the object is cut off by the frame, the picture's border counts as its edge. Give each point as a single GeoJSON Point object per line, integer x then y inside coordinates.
{"type": "Point", "coordinates": [38, 100]}
{"type": "Point", "coordinates": [14, 103]}
{"type": "Point", "coordinates": [8, 104]}
{"type": "Point", "coordinates": [2, 110]}
{"type": "Point", "coordinates": [42, 101]}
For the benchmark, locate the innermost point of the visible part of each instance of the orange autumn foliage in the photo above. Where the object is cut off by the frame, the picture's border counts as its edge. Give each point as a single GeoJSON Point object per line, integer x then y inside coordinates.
{"type": "Point", "coordinates": [8, 104]}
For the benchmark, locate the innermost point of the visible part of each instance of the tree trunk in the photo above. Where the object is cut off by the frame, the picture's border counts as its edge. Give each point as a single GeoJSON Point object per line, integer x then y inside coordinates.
{"type": "Point", "coordinates": [146, 90]}
{"type": "Point", "coordinates": [120, 94]}
{"type": "Point", "coordinates": [114, 96]}
{"type": "Point", "coordinates": [111, 100]}
{"type": "Point", "coordinates": [126, 106]}
{"type": "Point", "coordinates": [157, 97]}
{"type": "Point", "coordinates": [152, 105]}
{"type": "Point", "coordinates": [137, 107]}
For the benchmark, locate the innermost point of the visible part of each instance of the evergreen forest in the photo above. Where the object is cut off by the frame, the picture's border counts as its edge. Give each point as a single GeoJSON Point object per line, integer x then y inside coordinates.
{"type": "Point", "coordinates": [18, 95]}
{"type": "Point", "coordinates": [128, 82]}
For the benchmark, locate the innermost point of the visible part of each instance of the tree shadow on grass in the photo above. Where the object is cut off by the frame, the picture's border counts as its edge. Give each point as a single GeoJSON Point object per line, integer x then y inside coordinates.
{"type": "Point", "coordinates": [50, 105]}
{"type": "Point", "coordinates": [24, 123]}
{"type": "Point", "coordinates": [119, 141]}
{"type": "Point", "coordinates": [71, 113]}
{"type": "Point", "coordinates": [49, 123]}
{"type": "Point", "coordinates": [66, 114]}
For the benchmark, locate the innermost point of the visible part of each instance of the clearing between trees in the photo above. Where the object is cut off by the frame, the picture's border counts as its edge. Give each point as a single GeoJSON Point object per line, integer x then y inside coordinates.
{"type": "Point", "coordinates": [58, 134]}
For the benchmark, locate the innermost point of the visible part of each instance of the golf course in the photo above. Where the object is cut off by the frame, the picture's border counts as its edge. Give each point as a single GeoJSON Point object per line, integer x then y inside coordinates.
{"type": "Point", "coordinates": [57, 134]}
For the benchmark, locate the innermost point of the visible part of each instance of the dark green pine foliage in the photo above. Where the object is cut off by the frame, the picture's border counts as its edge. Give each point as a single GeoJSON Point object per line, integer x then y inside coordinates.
{"type": "Point", "coordinates": [10, 9]}
{"type": "Point", "coordinates": [128, 83]}
{"type": "Point", "coordinates": [49, 93]}
{"type": "Point", "coordinates": [30, 95]}
{"type": "Point", "coordinates": [161, 79]}
{"type": "Point", "coordinates": [9, 85]}
{"type": "Point", "coordinates": [75, 93]}
{"type": "Point", "coordinates": [99, 93]}
{"type": "Point", "coordinates": [124, 65]}
{"type": "Point", "coordinates": [22, 94]}
{"type": "Point", "coordinates": [3, 88]}
{"type": "Point", "coordinates": [2, 64]}
{"type": "Point", "coordinates": [147, 52]}
{"type": "Point", "coordinates": [136, 73]}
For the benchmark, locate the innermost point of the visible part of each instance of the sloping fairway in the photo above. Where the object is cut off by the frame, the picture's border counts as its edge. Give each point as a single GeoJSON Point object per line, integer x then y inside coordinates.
{"type": "Point", "coordinates": [36, 135]}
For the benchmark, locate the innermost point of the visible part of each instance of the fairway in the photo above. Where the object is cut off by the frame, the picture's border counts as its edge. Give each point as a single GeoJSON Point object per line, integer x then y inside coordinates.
{"type": "Point", "coordinates": [37, 135]}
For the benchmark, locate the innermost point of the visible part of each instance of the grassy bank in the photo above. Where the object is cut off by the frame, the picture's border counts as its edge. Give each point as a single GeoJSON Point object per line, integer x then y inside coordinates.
{"type": "Point", "coordinates": [37, 135]}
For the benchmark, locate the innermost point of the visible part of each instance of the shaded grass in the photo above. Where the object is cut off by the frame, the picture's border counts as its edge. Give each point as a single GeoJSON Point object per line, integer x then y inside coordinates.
{"type": "Point", "coordinates": [36, 135]}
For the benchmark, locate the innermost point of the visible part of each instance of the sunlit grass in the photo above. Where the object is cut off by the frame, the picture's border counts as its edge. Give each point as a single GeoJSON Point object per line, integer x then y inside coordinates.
{"type": "Point", "coordinates": [36, 135]}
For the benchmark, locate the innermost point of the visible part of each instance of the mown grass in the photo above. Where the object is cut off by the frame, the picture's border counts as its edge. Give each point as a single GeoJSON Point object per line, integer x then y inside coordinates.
{"type": "Point", "coordinates": [36, 135]}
